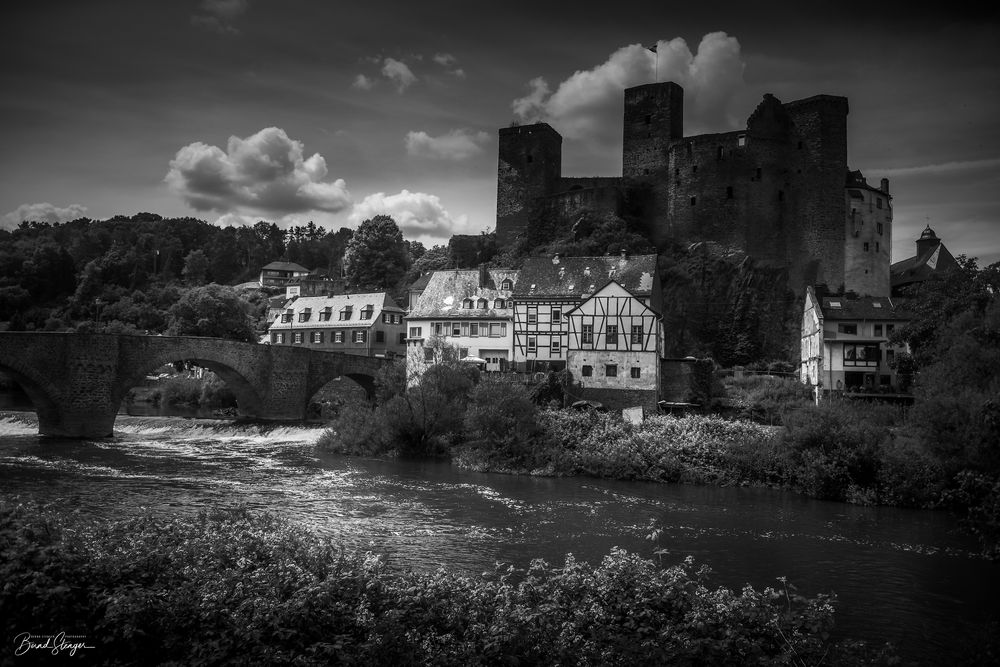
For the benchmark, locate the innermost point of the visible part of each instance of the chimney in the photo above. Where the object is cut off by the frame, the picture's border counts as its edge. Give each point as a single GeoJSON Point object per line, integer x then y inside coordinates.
{"type": "Point", "coordinates": [624, 254]}
{"type": "Point", "coordinates": [885, 185]}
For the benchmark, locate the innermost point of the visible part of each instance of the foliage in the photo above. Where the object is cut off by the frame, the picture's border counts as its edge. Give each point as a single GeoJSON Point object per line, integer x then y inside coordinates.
{"type": "Point", "coordinates": [377, 256]}
{"type": "Point", "coordinates": [233, 587]}
{"type": "Point", "coordinates": [552, 389]}
{"type": "Point", "coordinates": [195, 267]}
{"type": "Point", "coordinates": [706, 388]}
{"type": "Point", "coordinates": [208, 391]}
{"type": "Point", "coordinates": [212, 310]}
{"type": "Point", "coordinates": [765, 398]}
{"type": "Point", "coordinates": [502, 418]}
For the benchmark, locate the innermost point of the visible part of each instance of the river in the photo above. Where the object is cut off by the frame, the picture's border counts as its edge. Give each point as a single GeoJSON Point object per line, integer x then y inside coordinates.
{"type": "Point", "coordinates": [905, 576]}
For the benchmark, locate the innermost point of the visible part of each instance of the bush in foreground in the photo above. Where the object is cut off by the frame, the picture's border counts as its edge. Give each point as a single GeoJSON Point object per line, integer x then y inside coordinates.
{"type": "Point", "coordinates": [252, 589]}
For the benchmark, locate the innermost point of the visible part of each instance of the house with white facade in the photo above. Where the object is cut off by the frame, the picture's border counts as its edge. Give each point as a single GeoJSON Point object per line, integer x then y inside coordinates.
{"type": "Point", "coordinates": [468, 310]}
{"type": "Point", "coordinates": [369, 324]}
{"type": "Point", "coordinates": [614, 348]}
{"type": "Point", "coordinates": [845, 343]}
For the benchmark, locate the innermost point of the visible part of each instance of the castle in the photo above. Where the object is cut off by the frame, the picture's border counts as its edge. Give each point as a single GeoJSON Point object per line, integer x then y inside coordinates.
{"type": "Point", "coordinates": [780, 190]}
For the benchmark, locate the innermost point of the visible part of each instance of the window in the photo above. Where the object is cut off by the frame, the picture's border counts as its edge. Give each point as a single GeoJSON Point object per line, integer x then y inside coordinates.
{"type": "Point", "coordinates": [416, 332]}
{"type": "Point", "coordinates": [878, 202]}
{"type": "Point", "coordinates": [279, 338]}
{"type": "Point", "coordinates": [305, 315]}
{"type": "Point", "coordinates": [878, 228]}
{"type": "Point", "coordinates": [317, 336]}
{"type": "Point", "coordinates": [498, 329]}
{"type": "Point", "coordinates": [635, 372]}
{"type": "Point", "coordinates": [649, 119]}
{"type": "Point", "coordinates": [379, 336]}
{"type": "Point", "coordinates": [499, 303]}
{"type": "Point", "coordinates": [482, 304]}
{"type": "Point", "coordinates": [325, 314]}
{"type": "Point", "coordinates": [402, 337]}
{"type": "Point", "coordinates": [720, 153]}
{"type": "Point", "coordinates": [465, 329]}
{"type": "Point", "coordinates": [473, 329]}
{"type": "Point", "coordinates": [611, 334]}
{"type": "Point", "coordinates": [366, 312]}
{"type": "Point", "coordinates": [463, 352]}
{"type": "Point", "coordinates": [456, 328]}
{"type": "Point", "coordinates": [889, 328]}
{"type": "Point", "coordinates": [345, 313]}
{"type": "Point", "coordinates": [360, 336]}
{"type": "Point", "coordinates": [890, 357]}
{"type": "Point", "coordinates": [694, 169]}
{"type": "Point", "coordinates": [438, 328]}
{"type": "Point", "coordinates": [741, 140]}
{"type": "Point", "coordinates": [532, 314]}
{"type": "Point", "coordinates": [861, 355]}
{"type": "Point", "coordinates": [556, 316]}
{"type": "Point", "coordinates": [467, 304]}
{"type": "Point", "coordinates": [286, 316]}
{"type": "Point", "coordinates": [587, 371]}
{"type": "Point", "coordinates": [878, 329]}
{"type": "Point", "coordinates": [531, 158]}
{"type": "Point", "coordinates": [587, 334]}
{"type": "Point", "coordinates": [297, 337]}
{"type": "Point", "coordinates": [506, 284]}
{"type": "Point", "coordinates": [729, 192]}
{"type": "Point", "coordinates": [555, 348]}
{"type": "Point", "coordinates": [338, 336]}
{"type": "Point", "coordinates": [694, 201]}
{"type": "Point", "coordinates": [611, 370]}
{"type": "Point", "coordinates": [866, 246]}
{"type": "Point", "coordinates": [759, 172]}
{"type": "Point", "coordinates": [428, 354]}
{"type": "Point", "coordinates": [851, 329]}
{"type": "Point", "coordinates": [531, 345]}
{"type": "Point", "coordinates": [876, 246]}
{"type": "Point", "coordinates": [781, 195]}
{"type": "Point", "coordinates": [637, 334]}
{"type": "Point", "coordinates": [386, 318]}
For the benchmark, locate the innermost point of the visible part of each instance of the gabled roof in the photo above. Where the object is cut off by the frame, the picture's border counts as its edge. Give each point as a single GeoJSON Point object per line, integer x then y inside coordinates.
{"type": "Point", "coordinates": [445, 291]}
{"type": "Point", "coordinates": [861, 308]}
{"type": "Point", "coordinates": [581, 276]}
{"type": "Point", "coordinates": [286, 266]}
{"type": "Point", "coordinates": [611, 288]}
{"type": "Point", "coordinates": [920, 267]}
{"type": "Point", "coordinates": [421, 282]}
{"type": "Point", "coordinates": [379, 301]}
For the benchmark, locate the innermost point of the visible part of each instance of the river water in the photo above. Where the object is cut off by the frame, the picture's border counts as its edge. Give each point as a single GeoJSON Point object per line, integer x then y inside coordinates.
{"type": "Point", "coordinates": [905, 576]}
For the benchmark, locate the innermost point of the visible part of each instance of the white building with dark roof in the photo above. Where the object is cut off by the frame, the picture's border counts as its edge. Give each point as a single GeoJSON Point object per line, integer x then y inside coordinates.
{"type": "Point", "coordinates": [369, 324]}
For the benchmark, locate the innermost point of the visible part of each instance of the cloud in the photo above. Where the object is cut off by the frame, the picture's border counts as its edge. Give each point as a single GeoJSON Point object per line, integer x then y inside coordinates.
{"type": "Point", "coordinates": [942, 168]}
{"type": "Point", "coordinates": [42, 212]}
{"type": "Point", "coordinates": [449, 61]}
{"type": "Point", "coordinates": [397, 72]}
{"type": "Point", "coordinates": [416, 213]}
{"type": "Point", "coordinates": [455, 145]}
{"type": "Point", "coordinates": [264, 173]}
{"type": "Point", "coordinates": [362, 82]}
{"type": "Point", "coordinates": [218, 15]}
{"type": "Point", "coordinates": [588, 104]}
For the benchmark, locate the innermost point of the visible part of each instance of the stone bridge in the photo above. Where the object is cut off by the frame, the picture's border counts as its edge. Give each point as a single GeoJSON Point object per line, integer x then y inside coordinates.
{"type": "Point", "coordinates": [78, 381]}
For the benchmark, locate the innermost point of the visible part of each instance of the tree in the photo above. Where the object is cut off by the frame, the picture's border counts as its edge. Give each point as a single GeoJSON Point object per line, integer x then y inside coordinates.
{"type": "Point", "coordinates": [377, 256]}
{"type": "Point", "coordinates": [211, 310]}
{"type": "Point", "coordinates": [195, 267]}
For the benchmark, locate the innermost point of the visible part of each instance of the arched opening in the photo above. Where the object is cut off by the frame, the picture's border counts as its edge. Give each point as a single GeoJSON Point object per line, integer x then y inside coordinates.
{"type": "Point", "coordinates": [23, 393]}
{"type": "Point", "coordinates": [350, 388]}
{"type": "Point", "coordinates": [194, 387]}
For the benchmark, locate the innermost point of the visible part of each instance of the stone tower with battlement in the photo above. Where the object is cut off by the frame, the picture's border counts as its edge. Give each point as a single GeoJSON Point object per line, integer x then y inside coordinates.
{"type": "Point", "coordinates": [776, 189]}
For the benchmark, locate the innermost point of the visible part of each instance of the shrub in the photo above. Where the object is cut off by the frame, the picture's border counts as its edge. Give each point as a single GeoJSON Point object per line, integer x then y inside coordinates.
{"type": "Point", "coordinates": [356, 431]}
{"type": "Point", "coordinates": [502, 419]}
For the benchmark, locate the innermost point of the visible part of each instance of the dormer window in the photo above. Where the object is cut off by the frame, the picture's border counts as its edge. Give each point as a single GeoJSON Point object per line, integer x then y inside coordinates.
{"type": "Point", "coordinates": [483, 304]}
{"type": "Point", "coordinates": [507, 284]}
{"type": "Point", "coordinates": [325, 314]}
{"type": "Point", "coordinates": [305, 315]}
{"type": "Point", "coordinates": [835, 304]}
{"type": "Point", "coordinates": [366, 312]}
{"type": "Point", "coordinates": [287, 315]}
{"type": "Point", "coordinates": [345, 313]}
{"type": "Point", "coordinates": [499, 303]}
{"type": "Point", "coordinates": [467, 303]}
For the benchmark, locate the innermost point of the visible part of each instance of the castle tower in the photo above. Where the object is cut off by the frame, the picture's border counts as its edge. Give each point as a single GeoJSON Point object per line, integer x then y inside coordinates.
{"type": "Point", "coordinates": [654, 117]}
{"type": "Point", "coordinates": [928, 241]}
{"type": "Point", "coordinates": [529, 167]}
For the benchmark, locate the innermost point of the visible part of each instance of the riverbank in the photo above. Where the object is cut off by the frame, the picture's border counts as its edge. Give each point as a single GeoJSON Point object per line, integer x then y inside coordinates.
{"type": "Point", "coordinates": [248, 587]}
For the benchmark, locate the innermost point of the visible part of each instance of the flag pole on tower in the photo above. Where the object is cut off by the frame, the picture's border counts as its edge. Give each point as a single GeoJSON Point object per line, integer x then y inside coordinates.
{"type": "Point", "coordinates": [656, 66]}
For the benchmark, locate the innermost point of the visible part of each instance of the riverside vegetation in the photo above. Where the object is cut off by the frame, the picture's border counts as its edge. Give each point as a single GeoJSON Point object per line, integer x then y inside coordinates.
{"type": "Point", "coordinates": [233, 586]}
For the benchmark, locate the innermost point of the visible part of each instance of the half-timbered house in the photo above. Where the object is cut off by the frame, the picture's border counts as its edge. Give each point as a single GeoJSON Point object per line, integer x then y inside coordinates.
{"type": "Point", "coordinates": [548, 288]}
{"type": "Point", "coordinates": [615, 345]}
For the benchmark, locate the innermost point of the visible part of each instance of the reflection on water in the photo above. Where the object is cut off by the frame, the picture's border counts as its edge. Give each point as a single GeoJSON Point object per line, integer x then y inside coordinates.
{"type": "Point", "coordinates": [903, 576]}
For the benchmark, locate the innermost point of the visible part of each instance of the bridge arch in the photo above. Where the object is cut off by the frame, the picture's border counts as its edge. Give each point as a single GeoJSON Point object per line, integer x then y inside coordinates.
{"type": "Point", "coordinates": [41, 390]}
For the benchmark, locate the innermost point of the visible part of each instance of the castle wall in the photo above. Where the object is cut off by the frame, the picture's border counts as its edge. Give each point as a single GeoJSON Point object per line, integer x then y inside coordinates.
{"type": "Point", "coordinates": [868, 246]}
{"type": "Point", "coordinates": [529, 166]}
{"type": "Point", "coordinates": [565, 204]}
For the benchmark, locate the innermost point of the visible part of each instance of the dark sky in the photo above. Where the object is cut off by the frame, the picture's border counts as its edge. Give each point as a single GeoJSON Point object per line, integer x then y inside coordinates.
{"type": "Point", "coordinates": [293, 110]}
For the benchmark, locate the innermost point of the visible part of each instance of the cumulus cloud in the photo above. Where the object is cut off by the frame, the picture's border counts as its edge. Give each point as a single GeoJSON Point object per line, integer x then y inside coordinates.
{"type": "Point", "coordinates": [449, 61]}
{"type": "Point", "coordinates": [398, 72]}
{"type": "Point", "coordinates": [362, 82]}
{"type": "Point", "coordinates": [588, 104]}
{"type": "Point", "coordinates": [262, 174]}
{"type": "Point", "coordinates": [219, 15]}
{"type": "Point", "coordinates": [455, 145]}
{"type": "Point", "coordinates": [416, 213]}
{"type": "Point", "coordinates": [41, 212]}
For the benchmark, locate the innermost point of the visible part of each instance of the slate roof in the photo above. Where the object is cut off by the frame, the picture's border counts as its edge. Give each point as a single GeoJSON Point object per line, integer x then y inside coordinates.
{"type": "Point", "coordinates": [445, 291]}
{"type": "Point", "coordinates": [861, 308]}
{"type": "Point", "coordinates": [379, 301]}
{"type": "Point", "coordinates": [286, 266]}
{"type": "Point", "coordinates": [421, 282]}
{"type": "Point", "coordinates": [579, 277]}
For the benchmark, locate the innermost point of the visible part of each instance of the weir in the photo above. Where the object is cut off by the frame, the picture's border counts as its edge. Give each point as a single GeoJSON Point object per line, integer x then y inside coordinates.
{"type": "Point", "coordinates": [77, 381]}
